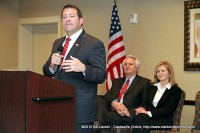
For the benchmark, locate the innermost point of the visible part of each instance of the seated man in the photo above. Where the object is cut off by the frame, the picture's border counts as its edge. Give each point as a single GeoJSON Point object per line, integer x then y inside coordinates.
{"type": "Point", "coordinates": [117, 106]}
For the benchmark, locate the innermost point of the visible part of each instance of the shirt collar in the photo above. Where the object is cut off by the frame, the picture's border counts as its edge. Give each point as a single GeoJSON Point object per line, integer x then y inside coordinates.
{"type": "Point", "coordinates": [131, 79]}
{"type": "Point", "coordinates": [75, 35]}
{"type": "Point", "coordinates": [168, 86]}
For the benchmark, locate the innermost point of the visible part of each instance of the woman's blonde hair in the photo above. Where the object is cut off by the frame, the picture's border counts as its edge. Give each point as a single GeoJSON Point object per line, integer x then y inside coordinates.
{"type": "Point", "coordinates": [170, 69]}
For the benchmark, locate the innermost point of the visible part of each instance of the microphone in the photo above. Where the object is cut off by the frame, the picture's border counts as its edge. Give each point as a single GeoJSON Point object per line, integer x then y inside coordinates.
{"type": "Point", "coordinates": [60, 48]}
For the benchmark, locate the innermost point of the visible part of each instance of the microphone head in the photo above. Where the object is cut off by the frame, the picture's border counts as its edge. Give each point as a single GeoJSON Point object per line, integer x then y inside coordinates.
{"type": "Point", "coordinates": [60, 48]}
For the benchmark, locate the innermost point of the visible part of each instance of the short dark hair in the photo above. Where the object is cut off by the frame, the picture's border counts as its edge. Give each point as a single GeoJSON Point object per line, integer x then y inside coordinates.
{"type": "Point", "coordinates": [79, 13]}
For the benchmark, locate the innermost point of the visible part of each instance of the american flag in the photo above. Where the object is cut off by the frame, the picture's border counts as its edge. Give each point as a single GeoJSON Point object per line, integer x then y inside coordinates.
{"type": "Point", "coordinates": [116, 50]}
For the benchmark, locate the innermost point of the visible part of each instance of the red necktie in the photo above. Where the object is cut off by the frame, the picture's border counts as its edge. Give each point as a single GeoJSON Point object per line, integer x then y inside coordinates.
{"type": "Point", "coordinates": [65, 49]}
{"type": "Point", "coordinates": [123, 90]}
{"type": "Point", "coordinates": [66, 46]}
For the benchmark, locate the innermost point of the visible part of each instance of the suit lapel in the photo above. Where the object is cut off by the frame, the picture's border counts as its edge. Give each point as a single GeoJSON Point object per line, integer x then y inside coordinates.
{"type": "Point", "coordinates": [76, 46]}
{"type": "Point", "coordinates": [164, 96]}
{"type": "Point", "coordinates": [133, 84]}
{"type": "Point", "coordinates": [152, 93]}
{"type": "Point", "coordinates": [120, 84]}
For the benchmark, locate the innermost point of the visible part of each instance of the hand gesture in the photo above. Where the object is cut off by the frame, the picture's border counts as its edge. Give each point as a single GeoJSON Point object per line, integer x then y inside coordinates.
{"type": "Point", "coordinates": [73, 64]}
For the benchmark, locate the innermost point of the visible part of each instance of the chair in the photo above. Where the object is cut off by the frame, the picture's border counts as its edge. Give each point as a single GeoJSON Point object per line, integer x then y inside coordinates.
{"type": "Point", "coordinates": [196, 122]}
{"type": "Point", "coordinates": [176, 116]}
{"type": "Point", "coordinates": [178, 112]}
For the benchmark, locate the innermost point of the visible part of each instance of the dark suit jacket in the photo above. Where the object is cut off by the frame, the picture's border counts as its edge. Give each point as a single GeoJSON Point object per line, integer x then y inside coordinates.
{"type": "Point", "coordinates": [90, 51]}
{"type": "Point", "coordinates": [166, 106]}
{"type": "Point", "coordinates": [134, 97]}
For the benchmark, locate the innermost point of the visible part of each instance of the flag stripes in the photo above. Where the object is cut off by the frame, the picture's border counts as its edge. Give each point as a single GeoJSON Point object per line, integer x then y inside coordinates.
{"type": "Point", "coordinates": [116, 50]}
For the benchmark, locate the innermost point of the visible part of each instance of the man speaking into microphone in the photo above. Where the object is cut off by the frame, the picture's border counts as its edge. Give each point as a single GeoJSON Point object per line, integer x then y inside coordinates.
{"type": "Point", "coordinates": [81, 63]}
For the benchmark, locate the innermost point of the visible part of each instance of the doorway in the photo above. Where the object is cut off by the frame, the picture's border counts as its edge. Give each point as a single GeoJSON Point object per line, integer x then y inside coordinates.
{"type": "Point", "coordinates": [36, 37]}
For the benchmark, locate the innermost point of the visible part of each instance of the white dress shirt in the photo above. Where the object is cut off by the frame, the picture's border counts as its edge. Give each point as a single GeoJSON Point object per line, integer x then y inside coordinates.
{"type": "Point", "coordinates": [158, 95]}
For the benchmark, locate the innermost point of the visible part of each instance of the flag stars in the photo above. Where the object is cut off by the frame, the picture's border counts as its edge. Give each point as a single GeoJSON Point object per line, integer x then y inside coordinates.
{"type": "Point", "coordinates": [115, 22]}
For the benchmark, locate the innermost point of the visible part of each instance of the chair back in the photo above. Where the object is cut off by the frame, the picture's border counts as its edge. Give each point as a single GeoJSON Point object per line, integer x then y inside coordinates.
{"type": "Point", "coordinates": [196, 122]}
{"type": "Point", "coordinates": [178, 112]}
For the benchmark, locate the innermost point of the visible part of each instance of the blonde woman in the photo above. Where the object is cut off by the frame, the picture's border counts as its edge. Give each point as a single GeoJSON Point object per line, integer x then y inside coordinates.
{"type": "Point", "coordinates": [163, 99]}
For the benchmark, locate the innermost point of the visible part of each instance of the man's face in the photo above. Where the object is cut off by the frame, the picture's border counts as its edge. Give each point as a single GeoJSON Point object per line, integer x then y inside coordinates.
{"type": "Point", "coordinates": [129, 66]}
{"type": "Point", "coordinates": [71, 22]}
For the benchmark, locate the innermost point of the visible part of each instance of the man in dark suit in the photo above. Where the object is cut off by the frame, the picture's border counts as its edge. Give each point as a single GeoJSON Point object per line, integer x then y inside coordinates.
{"type": "Point", "coordinates": [112, 110]}
{"type": "Point", "coordinates": [83, 65]}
